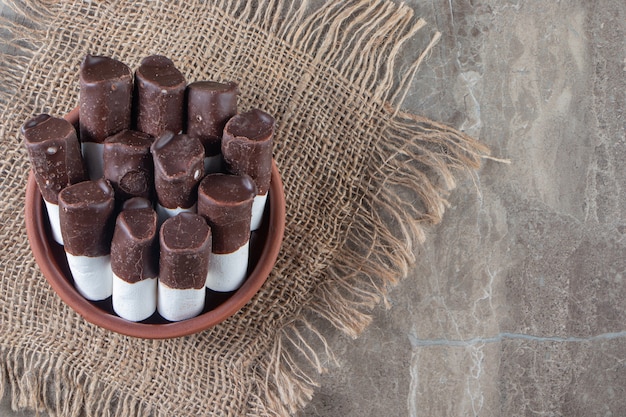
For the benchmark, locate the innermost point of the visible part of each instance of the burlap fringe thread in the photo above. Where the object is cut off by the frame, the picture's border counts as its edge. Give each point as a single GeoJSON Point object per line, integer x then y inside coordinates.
{"type": "Point", "coordinates": [379, 249]}
{"type": "Point", "coordinates": [418, 162]}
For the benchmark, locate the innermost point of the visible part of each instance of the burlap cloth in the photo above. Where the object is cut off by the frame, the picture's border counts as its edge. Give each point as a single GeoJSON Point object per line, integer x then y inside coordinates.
{"type": "Point", "coordinates": [361, 179]}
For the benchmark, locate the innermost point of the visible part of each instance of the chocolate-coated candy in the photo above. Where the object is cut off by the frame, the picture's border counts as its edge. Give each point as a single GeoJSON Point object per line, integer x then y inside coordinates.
{"type": "Point", "coordinates": [225, 201]}
{"type": "Point", "coordinates": [54, 154]}
{"type": "Point", "coordinates": [160, 96]}
{"type": "Point", "coordinates": [106, 87]}
{"type": "Point", "coordinates": [185, 241]}
{"type": "Point", "coordinates": [209, 106]}
{"type": "Point", "coordinates": [134, 252]}
{"type": "Point", "coordinates": [128, 164]}
{"type": "Point", "coordinates": [86, 213]}
{"type": "Point", "coordinates": [247, 146]}
{"type": "Point", "coordinates": [178, 168]}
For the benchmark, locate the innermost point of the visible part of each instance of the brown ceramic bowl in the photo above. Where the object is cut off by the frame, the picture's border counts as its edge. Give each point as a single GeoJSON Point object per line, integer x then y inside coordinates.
{"type": "Point", "coordinates": [264, 247]}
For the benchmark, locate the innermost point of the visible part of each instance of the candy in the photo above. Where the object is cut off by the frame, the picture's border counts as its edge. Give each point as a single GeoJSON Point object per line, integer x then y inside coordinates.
{"type": "Point", "coordinates": [86, 214]}
{"type": "Point", "coordinates": [247, 150]}
{"type": "Point", "coordinates": [160, 96]}
{"type": "Point", "coordinates": [56, 161]}
{"type": "Point", "coordinates": [225, 201]}
{"type": "Point", "coordinates": [134, 263]}
{"type": "Point", "coordinates": [185, 242]}
{"type": "Point", "coordinates": [106, 87]}
{"type": "Point", "coordinates": [209, 106]}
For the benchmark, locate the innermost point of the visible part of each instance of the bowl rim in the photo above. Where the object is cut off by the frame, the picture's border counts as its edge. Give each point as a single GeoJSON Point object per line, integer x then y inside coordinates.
{"type": "Point", "coordinates": [41, 247]}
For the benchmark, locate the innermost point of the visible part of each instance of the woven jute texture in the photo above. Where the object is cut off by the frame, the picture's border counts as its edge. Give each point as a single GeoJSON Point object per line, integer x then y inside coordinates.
{"type": "Point", "coordinates": [361, 178]}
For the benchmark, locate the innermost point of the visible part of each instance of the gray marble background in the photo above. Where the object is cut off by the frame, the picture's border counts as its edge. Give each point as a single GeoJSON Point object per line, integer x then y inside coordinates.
{"type": "Point", "coordinates": [516, 306]}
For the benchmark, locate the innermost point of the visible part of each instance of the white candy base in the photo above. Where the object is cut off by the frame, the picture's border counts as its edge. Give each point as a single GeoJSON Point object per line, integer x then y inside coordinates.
{"type": "Point", "coordinates": [93, 154]}
{"type": "Point", "coordinates": [93, 277]}
{"type": "Point", "coordinates": [228, 271]}
{"type": "Point", "coordinates": [212, 164]}
{"type": "Point", "coordinates": [258, 206]}
{"type": "Point", "coordinates": [179, 304]}
{"type": "Point", "coordinates": [55, 223]}
{"type": "Point", "coordinates": [134, 301]}
{"type": "Point", "coordinates": [164, 213]}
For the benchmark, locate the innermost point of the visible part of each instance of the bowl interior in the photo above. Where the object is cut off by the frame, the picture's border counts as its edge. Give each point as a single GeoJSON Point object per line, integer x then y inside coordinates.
{"type": "Point", "coordinates": [50, 256]}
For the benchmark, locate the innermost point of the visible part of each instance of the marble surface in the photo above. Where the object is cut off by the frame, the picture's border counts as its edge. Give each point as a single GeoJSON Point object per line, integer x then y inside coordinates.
{"type": "Point", "coordinates": [516, 306]}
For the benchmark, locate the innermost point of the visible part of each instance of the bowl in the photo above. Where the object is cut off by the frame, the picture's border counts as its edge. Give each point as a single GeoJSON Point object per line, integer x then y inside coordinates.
{"type": "Point", "coordinates": [264, 248]}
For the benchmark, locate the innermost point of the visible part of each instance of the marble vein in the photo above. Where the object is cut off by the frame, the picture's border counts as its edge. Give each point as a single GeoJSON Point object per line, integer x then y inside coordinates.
{"type": "Point", "coordinates": [417, 342]}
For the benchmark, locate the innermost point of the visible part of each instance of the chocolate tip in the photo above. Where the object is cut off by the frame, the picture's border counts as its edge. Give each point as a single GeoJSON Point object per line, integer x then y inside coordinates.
{"type": "Point", "coordinates": [254, 125]}
{"type": "Point", "coordinates": [207, 85]}
{"type": "Point", "coordinates": [140, 222]}
{"type": "Point", "coordinates": [95, 68]}
{"type": "Point", "coordinates": [249, 184]}
{"type": "Point", "coordinates": [234, 86]}
{"type": "Point", "coordinates": [131, 138]}
{"type": "Point", "coordinates": [105, 186]}
{"type": "Point", "coordinates": [227, 188]}
{"type": "Point", "coordinates": [136, 203]}
{"type": "Point", "coordinates": [263, 116]}
{"type": "Point", "coordinates": [156, 58]}
{"type": "Point", "coordinates": [34, 121]}
{"type": "Point", "coordinates": [162, 141]}
{"type": "Point", "coordinates": [184, 232]}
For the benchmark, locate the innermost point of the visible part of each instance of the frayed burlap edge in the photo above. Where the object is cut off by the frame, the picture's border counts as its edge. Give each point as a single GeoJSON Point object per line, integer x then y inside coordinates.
{"type": "Point", "coordinates": [47, 384]}
{"type": "Point", "coordinates": [418, 162]}
{"type": "Point", "coordinates": [379, 249]}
